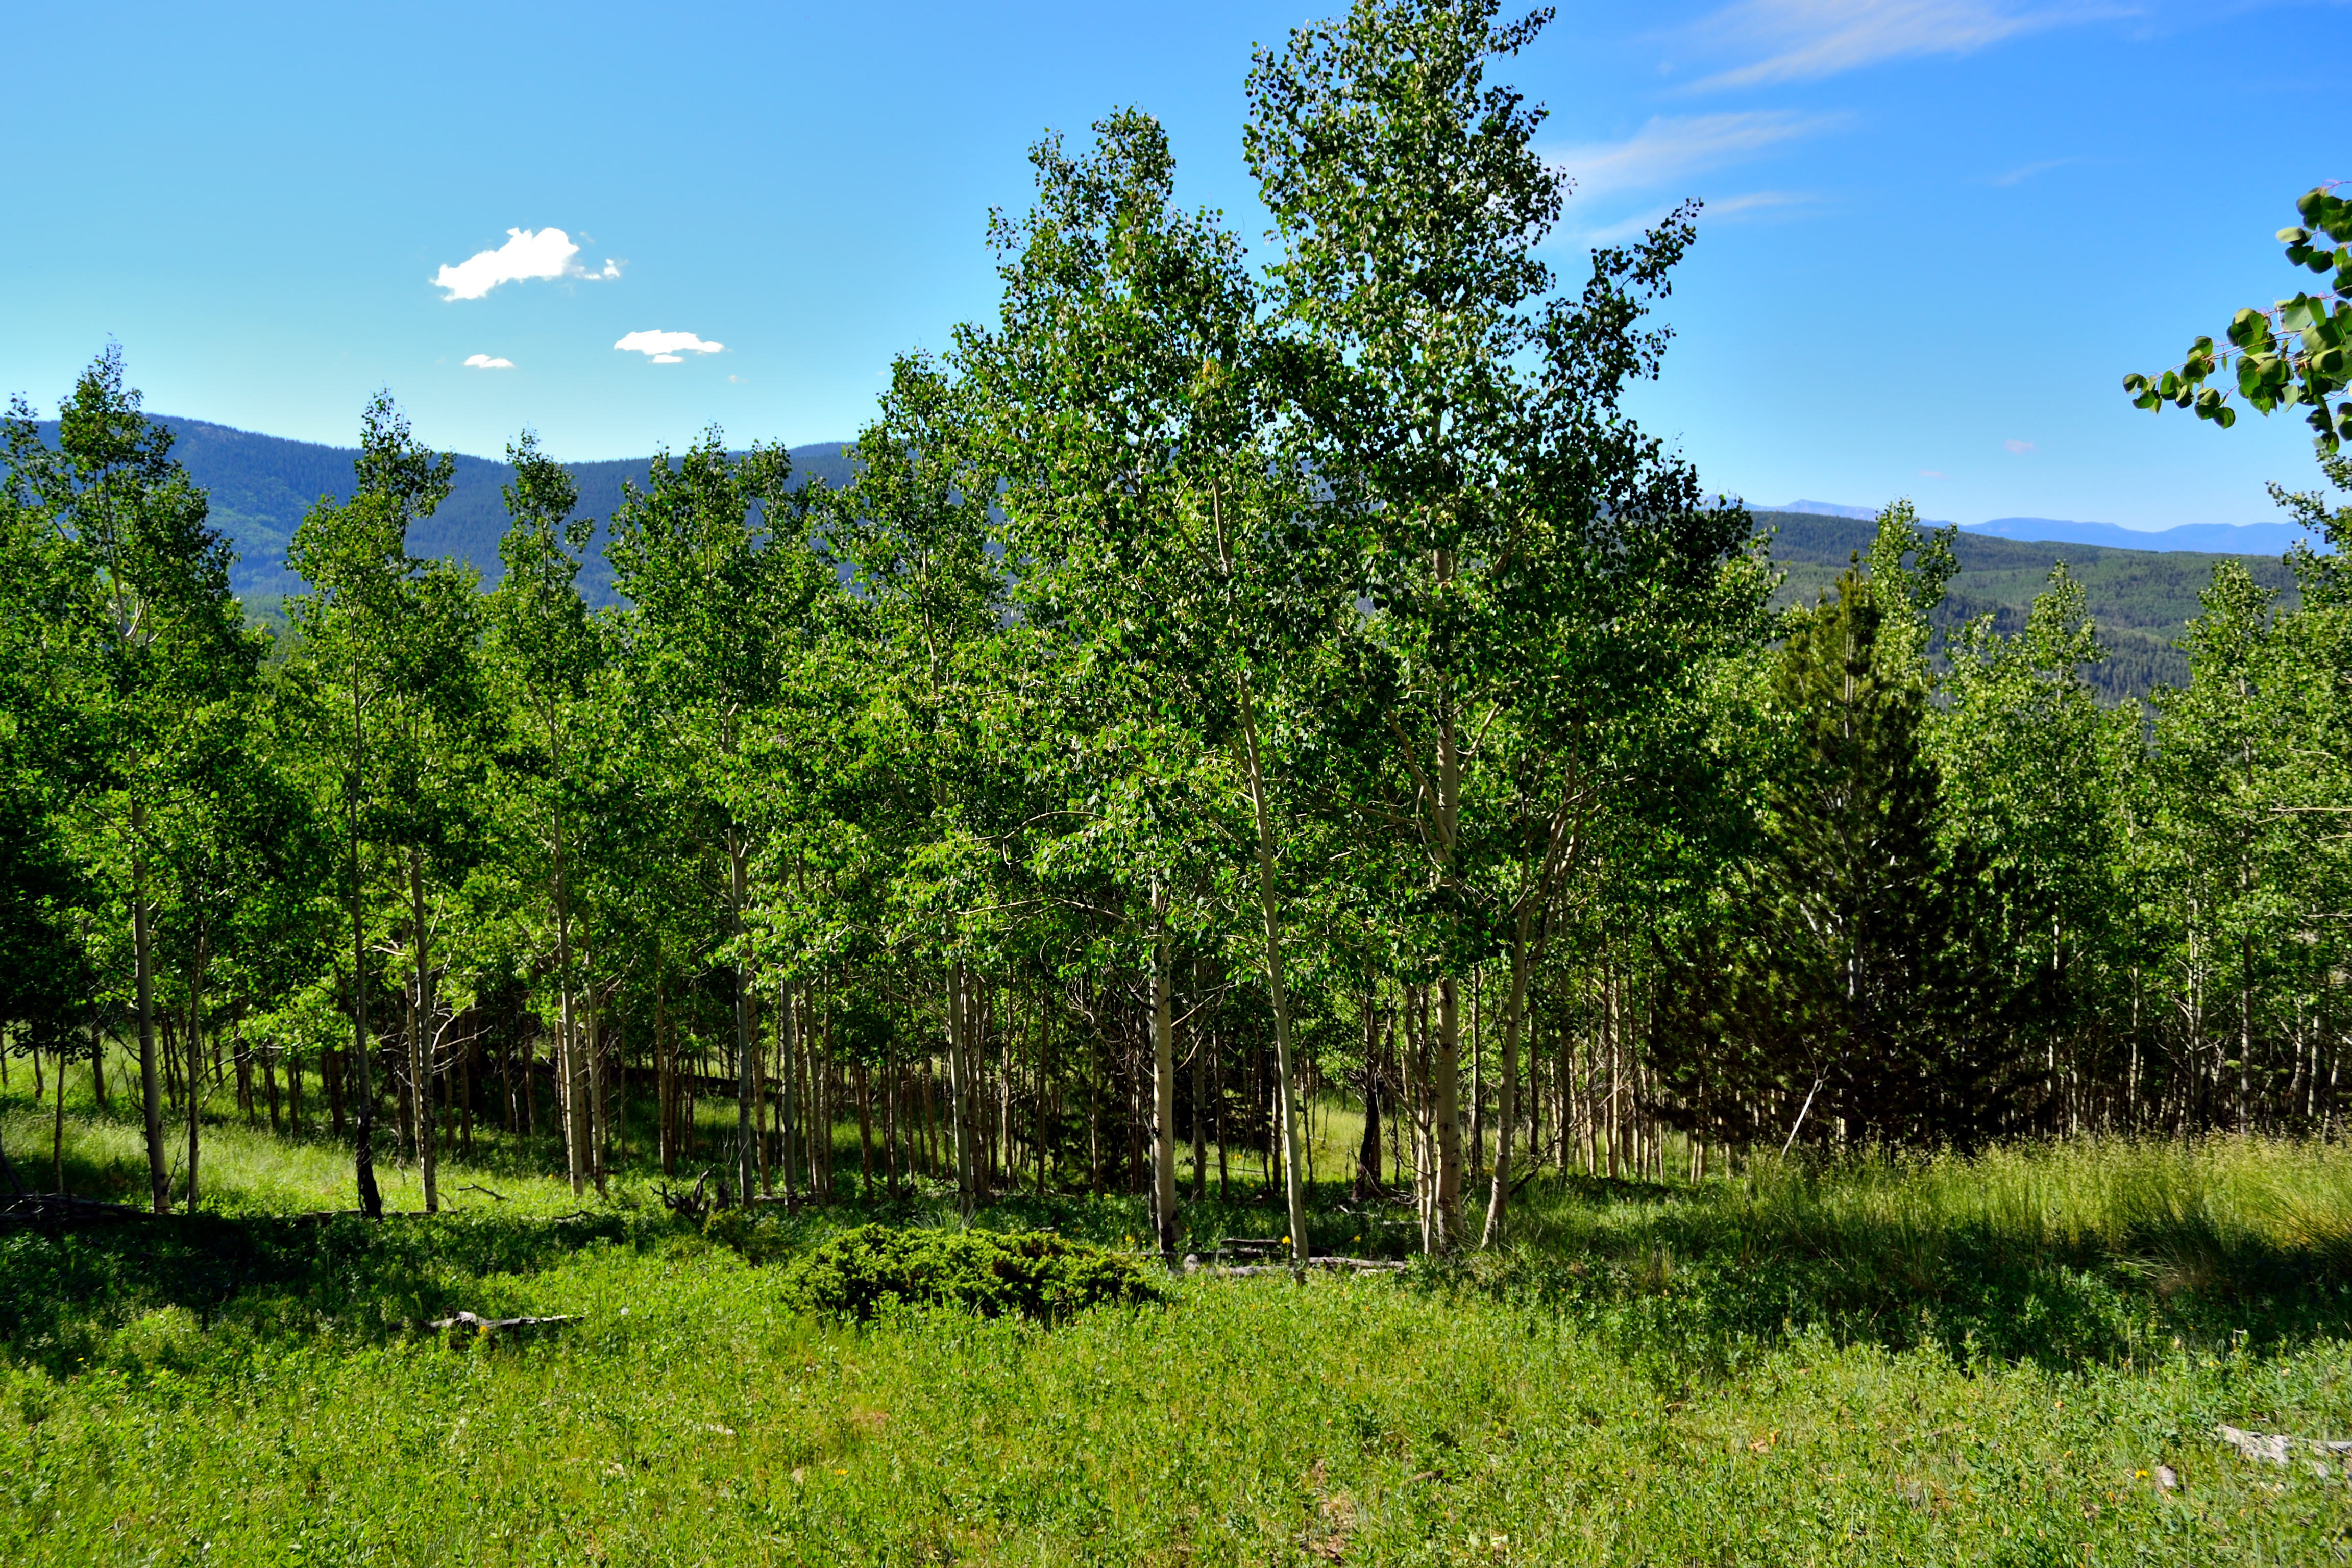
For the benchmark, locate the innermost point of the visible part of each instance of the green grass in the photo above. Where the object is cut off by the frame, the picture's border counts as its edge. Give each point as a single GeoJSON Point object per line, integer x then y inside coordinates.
{"type": "Point", "coordinates": [1947, 1360]}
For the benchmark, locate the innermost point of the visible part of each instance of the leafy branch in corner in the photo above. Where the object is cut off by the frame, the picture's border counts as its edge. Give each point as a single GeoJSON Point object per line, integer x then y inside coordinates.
{"type": "Point", "coordinates": [2299, 353]}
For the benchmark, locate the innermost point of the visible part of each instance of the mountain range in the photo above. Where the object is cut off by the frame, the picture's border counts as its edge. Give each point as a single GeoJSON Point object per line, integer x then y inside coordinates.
{"type": "Point", "coordinates": [2208, 538]}
{"type": "Point", "coordinates": [261, 485]}
{"type": "Point", "coordinates": [2142, 586]}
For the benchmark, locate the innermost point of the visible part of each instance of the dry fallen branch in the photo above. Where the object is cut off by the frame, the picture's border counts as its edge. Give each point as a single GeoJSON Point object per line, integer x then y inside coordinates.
{"type": "Point", "coordinates": [1192, 1265]}
{"type": "Point", "coordinates": [692, 1207]}
{"type": "Point", "coordinates": [64, 1208]}
{"type": "Point", "coordinates": [467, 1321]}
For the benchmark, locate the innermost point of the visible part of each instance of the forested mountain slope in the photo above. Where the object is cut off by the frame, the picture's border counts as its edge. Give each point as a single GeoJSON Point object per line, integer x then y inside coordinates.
{"type": "Point", "coordinates": [2141, 598]}
{"type": "Point", "coordinates": [259, 486]}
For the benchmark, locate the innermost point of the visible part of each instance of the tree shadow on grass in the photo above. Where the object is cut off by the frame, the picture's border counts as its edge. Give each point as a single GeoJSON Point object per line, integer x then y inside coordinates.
{"type": "Point", "coordinates": [65, 1293]}
{"type": "Point", "coordinates": [1694, 1289]}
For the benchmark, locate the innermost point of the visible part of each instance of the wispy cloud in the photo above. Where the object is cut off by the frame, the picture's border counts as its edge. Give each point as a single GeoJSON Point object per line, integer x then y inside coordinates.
{"type": "Point", "coordinates": [1754, 201]}
{"type": "Point", "coordinates": [2019, 176]}
{"type": "Point", "coordinates": [1933, 474]}
{"type": "Point", "coordinates": [2019, 449]}
{"type": "Point", "coordinates": [1802, 39]}
{"type": "Point", "coordinates": [484, 361]}
{"type": "Point", "coordinates": [667, 348]}
{"type": "Point", "coordinates": [1717, 209]}
{"type": "Point", "coordinates": [548, 253]}
{"type": "Point", "coordinates": [1673, 148]}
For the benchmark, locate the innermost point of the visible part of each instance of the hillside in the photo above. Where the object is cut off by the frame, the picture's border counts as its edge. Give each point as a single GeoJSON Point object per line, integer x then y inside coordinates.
{"type": "Point", "coordinates": [260, 485]}
{"type": "Point", "coordinates": [2141, 598]}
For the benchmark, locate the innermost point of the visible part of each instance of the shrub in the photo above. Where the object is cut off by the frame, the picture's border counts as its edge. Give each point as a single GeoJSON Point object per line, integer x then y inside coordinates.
{"type": "Point", "coordinates": [873, 1269]}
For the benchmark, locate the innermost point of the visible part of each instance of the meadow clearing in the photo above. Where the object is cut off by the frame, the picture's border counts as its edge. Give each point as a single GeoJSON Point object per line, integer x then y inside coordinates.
{"type": "Point", "coordinates": [2018, 1358]}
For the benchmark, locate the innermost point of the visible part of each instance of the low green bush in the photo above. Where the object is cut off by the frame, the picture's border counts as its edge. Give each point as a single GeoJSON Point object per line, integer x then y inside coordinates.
{"type": "Point", "coordinates": [861, 1273]}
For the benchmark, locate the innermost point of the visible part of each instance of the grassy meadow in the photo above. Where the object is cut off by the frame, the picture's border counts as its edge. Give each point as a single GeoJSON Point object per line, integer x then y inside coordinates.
{"type": "Point", "coordinates": [1989, 1360]}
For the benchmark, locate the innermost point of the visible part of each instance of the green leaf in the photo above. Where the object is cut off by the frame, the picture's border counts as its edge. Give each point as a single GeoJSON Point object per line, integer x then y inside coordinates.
{"type": "Point", "coordinates": [2293, 235]}
{"type": "Point", "coordinates": [2225, 416]}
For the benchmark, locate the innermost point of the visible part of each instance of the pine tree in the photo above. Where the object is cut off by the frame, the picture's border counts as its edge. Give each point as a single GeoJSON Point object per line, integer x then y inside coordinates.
{"type": "Point", "coordinates": [1846, 984]}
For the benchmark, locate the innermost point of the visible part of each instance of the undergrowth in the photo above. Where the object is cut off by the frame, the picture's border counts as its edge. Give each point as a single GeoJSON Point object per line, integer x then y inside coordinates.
{"type": "Point", "coordinates": [874, 1271]}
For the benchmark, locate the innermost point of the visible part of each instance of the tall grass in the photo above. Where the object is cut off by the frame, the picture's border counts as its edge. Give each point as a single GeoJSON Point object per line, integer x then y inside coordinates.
{"type": "Point", "coordinates": [2061, 1253]}
{"type": "Point", "coordinates": [2142, 1201]}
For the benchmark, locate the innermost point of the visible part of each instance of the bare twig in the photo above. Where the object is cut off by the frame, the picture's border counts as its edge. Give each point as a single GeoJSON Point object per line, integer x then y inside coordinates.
{"type": "Point", "coordinates": [1801, 1119]}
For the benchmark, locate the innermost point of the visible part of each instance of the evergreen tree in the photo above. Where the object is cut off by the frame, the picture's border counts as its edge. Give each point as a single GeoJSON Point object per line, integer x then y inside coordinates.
{"type": "Point", "coordinates": [1849, 984]}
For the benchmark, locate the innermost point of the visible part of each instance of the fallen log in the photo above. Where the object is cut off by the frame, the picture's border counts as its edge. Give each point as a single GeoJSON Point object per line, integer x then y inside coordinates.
{"type": "Point", "coordinates": [469, 1322]}
{"type": "Point", "coordinates": [1192, 1265]}
{"type": "Point", "coordinates": [64, 1208]}
{"type": "Point", "coordinates": [2326, 1457]}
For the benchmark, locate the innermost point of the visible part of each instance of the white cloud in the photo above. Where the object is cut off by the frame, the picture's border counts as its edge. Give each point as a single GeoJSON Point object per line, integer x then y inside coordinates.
{"type": "Point", "coordinates": [2019, 448]}
{"type": "Point", "coordinates": [547, 254]}
{"type": "Point", "coordinates": [667, 348]}
{"type": "Point", "coordinates": [1673, 148]}
{"type": "Point", "coordinates": [484, 361]}
{"type": "Point", "coordinates": [1932, 474]}
{"type": "Point", "coordinates": [1802, 39]}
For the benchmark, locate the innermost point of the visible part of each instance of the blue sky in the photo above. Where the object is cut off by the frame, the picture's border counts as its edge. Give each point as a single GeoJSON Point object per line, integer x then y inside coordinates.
{"type": "Point", "coordinates": [1938, 231]}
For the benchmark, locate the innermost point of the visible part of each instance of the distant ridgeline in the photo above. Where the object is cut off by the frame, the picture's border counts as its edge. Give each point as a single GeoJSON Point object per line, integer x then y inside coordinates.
{"type": "Point", "coordinates": [2209, 537]}
{"type": "Point", "coordinates": [261, 485]}
{"type": "Point", "coordinates": [2141, 598]}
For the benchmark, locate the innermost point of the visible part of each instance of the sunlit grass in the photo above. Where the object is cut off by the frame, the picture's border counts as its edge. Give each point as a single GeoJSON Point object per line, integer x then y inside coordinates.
{"type": "Point", "coordinates": [688, 1417]}
{"type": "Point", "coordinates": [1934, 1359]}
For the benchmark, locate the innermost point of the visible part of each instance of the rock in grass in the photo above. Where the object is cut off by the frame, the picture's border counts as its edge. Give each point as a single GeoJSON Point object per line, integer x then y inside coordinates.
{"type": "Point", "coordinates": [873, 1268]}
